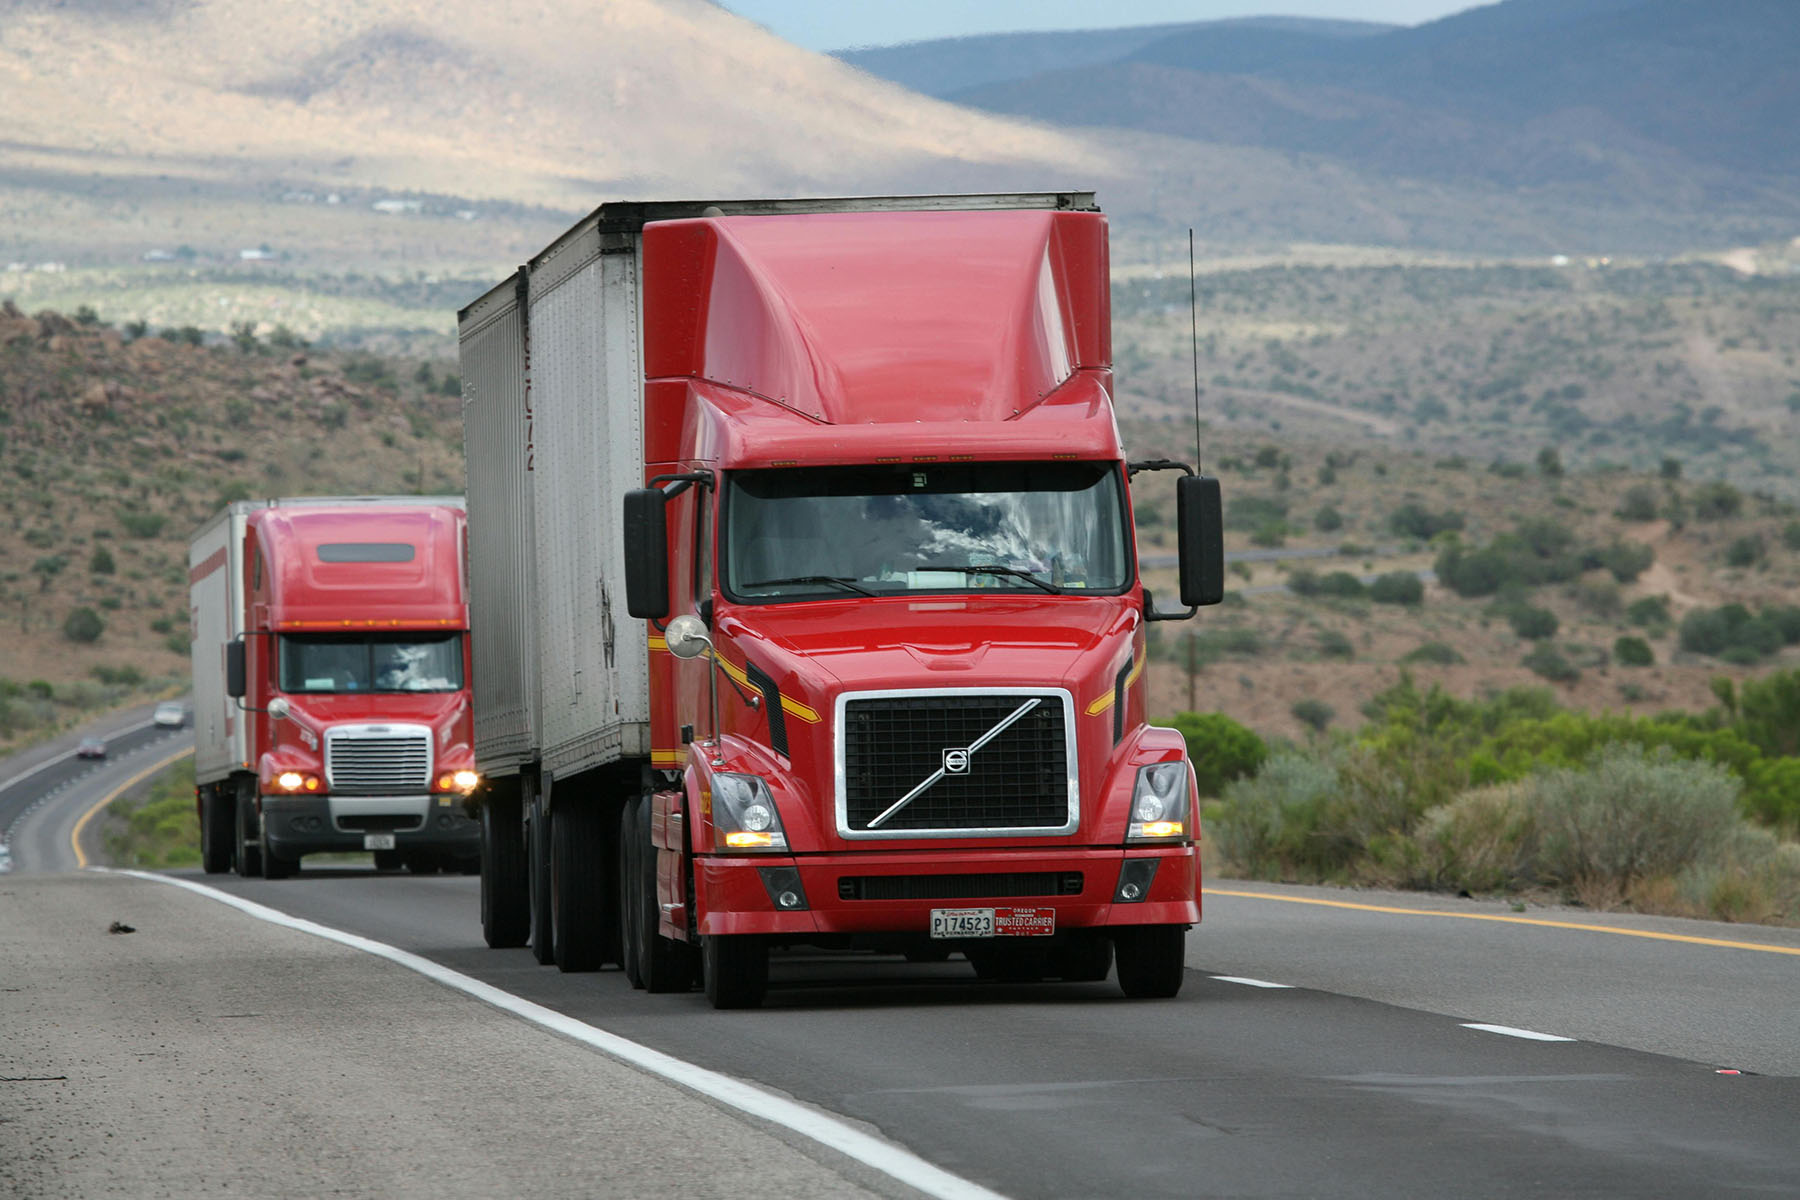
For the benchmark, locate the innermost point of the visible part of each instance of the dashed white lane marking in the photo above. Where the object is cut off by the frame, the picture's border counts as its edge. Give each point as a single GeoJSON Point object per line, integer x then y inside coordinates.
{"type": "Point", "coordinates": [1530, 1035]}
{"type": "Point", "coordinates": [890, 1160]}
{"type": "Point", "coordinates": [1261, 983]}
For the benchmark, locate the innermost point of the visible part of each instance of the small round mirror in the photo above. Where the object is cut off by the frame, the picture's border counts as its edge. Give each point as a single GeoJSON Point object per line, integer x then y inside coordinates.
{"type": "Point", "coordinates": [686, 636]}
{"type": "Point", "coordinates": [278, 707]}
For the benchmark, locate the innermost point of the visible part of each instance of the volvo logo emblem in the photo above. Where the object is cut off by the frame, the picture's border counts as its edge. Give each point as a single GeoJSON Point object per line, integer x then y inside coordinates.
{"type": "Point", "coordinates": [956, 762]}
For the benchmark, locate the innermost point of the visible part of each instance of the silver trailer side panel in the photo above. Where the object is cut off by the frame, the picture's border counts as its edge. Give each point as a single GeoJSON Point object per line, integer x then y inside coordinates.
{"type": "Point", "coordinates": [587, 400]}
{"type": "Point", "coordinates": [215, 612]}
{"type": "Point", "coordinates": [498, 449]}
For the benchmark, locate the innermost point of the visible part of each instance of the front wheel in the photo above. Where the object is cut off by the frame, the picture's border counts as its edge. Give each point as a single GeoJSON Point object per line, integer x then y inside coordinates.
{"type": "Point", "coordinates": [664, 964]}
{"type": "Point", "coordinates": [737, 970]}
{"type": "Point", "coordinates": [1151, 960]}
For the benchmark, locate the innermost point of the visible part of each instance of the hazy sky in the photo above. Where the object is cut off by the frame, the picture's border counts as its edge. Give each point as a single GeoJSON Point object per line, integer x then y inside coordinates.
{"type": "Point", "coordinates": [839, 24]}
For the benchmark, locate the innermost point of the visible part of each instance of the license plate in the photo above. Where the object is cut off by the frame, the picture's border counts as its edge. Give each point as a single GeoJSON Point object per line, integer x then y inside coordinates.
{"type": "Point", "coordinates": [378, 841]}
{"type": "Point", "coordinates": [992, 922]}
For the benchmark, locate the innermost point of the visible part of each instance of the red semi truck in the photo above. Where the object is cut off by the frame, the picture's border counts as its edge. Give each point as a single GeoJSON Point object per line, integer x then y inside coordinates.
{"type": "Point", "coordinates": [331, 697]}
{"type": "Point", "coordinates": [806, 601]}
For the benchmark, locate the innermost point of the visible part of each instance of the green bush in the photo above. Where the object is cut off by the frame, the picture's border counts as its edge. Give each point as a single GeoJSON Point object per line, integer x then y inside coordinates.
{"type": "Point", "coordinates": [1745, 551]}
{"type": "Point", "coordinates": [1439, 653]}
{"type": "Point", "coordinates": [1221, 749]}
{"type": "Point", "coordinates": [1730, 632]}
{"type": "Point", "coordinates": [1341, 584]}
{"type": "Point", "coordinates": [1546, 660]}
{"type": "Point", "coordinates": [140, 524]}
{"type": "Point", "coordinates": [1328, 520]}
{"type": "Point", "coordinates": [1638, 504]}
{"type": "Point", "coordinates": [1627, 560]}
{"type": "Point", "coordinates": [83, 625]}
{"type": "Point", "coordinates": [100, 562]}
{"type": "Point", "coordinates": [1633, 652]}
{"type": "Point", "coordinates": [1314, 713]}
{"type": "Point", "coordinates": [1768, 714]}
{"type": "Point", "coordinates": [1790, 535]}
{"type": "Point", "coordinates": [1648, 610]}
{"type": "Point", "coordinates": [1333, 644]}
{"type": "Point", "coordinates": [1397, 587]}
{"type": "Point", "coordinates": [1530, 622]}
{"type": "Point", "coordinates": [1251, 512]}
{"type": "Point", "coordinates": [1414, 521]}
{"type": "Point", "coordinates": [160, 832]}
{"type": "Point", "coordinates": [1716, 501]}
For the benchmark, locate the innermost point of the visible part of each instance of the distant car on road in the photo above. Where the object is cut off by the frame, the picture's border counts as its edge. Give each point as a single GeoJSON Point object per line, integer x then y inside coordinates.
{"type": "Point", "coordinates": [170, 714]}
{"type": "Point", "coordinates": [5, 860]}
{"type": "Point", "coordinates": [91, 747]}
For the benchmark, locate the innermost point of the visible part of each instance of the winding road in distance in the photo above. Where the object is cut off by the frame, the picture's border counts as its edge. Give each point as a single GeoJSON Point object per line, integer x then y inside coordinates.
{"type": "Point", "coordinates": [1326, 1043]}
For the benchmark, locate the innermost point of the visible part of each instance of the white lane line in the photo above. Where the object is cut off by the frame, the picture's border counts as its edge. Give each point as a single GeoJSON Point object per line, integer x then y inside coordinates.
{"type": "Point", "coordinates": [890, 1160]}
{"type": "Point", "coordinates": [1530, 1035]}
{"type": "Point", "coordinates": [1261, 983]}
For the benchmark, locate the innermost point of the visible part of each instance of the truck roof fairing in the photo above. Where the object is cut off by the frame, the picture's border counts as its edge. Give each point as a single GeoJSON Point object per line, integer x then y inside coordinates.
{"type": "Point", "coordinates": [313, 594]}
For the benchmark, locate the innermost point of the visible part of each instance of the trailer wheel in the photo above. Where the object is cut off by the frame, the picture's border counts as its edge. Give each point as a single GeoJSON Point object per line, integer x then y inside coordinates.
{"type": "Point", "coordinates": [627, 870]}
{"type": "Point", "coordinates": [664, 964]}
{"type": "Point", "coordinates": [1151, 960]}
{"type": "Point", "coordinates": [505, 891]}
{"type": "Point", "coordinates": [737, 970]}
{"type": "Point", "coordinates": [1082, 957]}
{"type": "Point", "coordinates": [247, 858]}
{"type": "Point", "coordinates": [215, 832]}
{"type": "Point", "coordinates": [578, 883]}
{"type": "Point", "coordinates": [537, 871]}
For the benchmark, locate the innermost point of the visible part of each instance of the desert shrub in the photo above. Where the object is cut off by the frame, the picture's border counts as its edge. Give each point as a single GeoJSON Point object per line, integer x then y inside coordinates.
{"type": "Point", "coordinates": [1599, 596]}
{"type": "Point", "coordinates": [1745, 551]}
{"type": "Point", "coordinates": [83, 625]}
{"type": "Point", "coordinates": [1341, 584]}
{"type": "Point", "coordinates": [160, 832]}
{"type": "Point", "coordinates": [141, 524]}
{"type": "Point", "coordinates": [1333, 644]}
{"type": "Point", "coordinates": [1786, 619]}
{"type": "Point", "coordinates": [1628, 814]}
{"type": "Point", "coordinates": [1648, 610]}
{"type": "Point", "coordinates": [1397, 587]}
{"type": "Point", "coordinates": [1626, 560]}
{"type": "Point", "coordinates": [1440, 653]}
{"type": "Point", "coordinates": [1546, 660]}
{"type": "Point", "coordinates": [1772, 793]}
{"type": "Point", "coordinates": [1270, 535]}
{"type": "Point", "coordinates": [1221, 749]}
{"type": "Point", "coordinates": [1413, 520]}
{"type": "Point", "coordinates": [1716, 501]}
{"type": "Point", "coordinates": [1265, 823]}
{"type": "Point", "coordinates": [1731, 633]}
{"type": "Point", "coordinates": [1790, 535]}
{"type": "Point", "coordinates": [1483, 841]}
{"type": "Point", "coordinates": [1313, 713]}
{"type": "Point", "coordinates": [1638, 504]}
{"type": "Point", "coordinates": [1251, 512]}
{"type": "Point", "coordinates": [1633, 652]}
{"type": "Point", "coordinates": [1327, 519]}
{"type": "Point", "coordinates": [125, 676]}
{"type": "Point", "coordinates": [1768, 713]}
{"type": "Point", "coordinates": [1531, 622]}
{"type": "Point", "coordinates": [100, 562]}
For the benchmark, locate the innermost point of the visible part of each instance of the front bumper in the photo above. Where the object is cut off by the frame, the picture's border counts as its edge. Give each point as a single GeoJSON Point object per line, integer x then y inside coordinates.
{"type": "Point", "coordinates": [734, 899]}
{"type": "Point", "coordinates": [296, 825]}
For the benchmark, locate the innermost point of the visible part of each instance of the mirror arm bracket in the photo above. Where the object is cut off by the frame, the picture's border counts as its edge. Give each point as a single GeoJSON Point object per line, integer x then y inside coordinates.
{"type": "Point", "coordinates": [1156, 464]}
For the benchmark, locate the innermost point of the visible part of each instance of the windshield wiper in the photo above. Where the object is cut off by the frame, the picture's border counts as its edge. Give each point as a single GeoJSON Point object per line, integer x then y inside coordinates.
{"type": "Point", "coordinates": [843, 581]}
{"type": "Point", "coordinates": [996, 569]}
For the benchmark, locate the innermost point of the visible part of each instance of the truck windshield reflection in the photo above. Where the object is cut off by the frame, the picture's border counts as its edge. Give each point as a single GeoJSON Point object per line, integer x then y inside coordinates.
{"type": "Point", "coordinates": [407, 662]}
{"type": "Point", "coordinates": [1033, 526]}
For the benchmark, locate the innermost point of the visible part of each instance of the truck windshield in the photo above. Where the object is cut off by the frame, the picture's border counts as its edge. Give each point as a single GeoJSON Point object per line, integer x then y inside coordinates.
{"type": "Point", "coordinates": [382, 662]}
{"type": "Point", "coordinates": [881, 530]}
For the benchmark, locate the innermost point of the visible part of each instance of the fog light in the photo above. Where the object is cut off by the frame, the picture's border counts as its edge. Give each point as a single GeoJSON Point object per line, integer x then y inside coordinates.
{"type": "Point", "coordinates": [784, 888]}
{"type": "Point", "coordinates": [788, 900]}
{"type": "Point", "coordinates": [1130, 891]}
{"type": "Point", "coordinates": [1134, 880]}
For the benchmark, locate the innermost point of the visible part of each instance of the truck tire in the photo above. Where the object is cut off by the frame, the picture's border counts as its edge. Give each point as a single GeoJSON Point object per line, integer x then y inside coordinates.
{"type": "Point", "coordinates": [505, 891]}
{"type": "Point", "coordinates": [578, 884]}
{"type": "Point", "coordinates": [246, 858]}
{"type": "Point", "coordinates": [627, 871]}
{"type": "Point", "coordinates": [537, 874]}
{"type": "Point", "coordinates": [1151, 960]}
{"type": "Point", "coordinates": [1081, 957]}
{"type": "Point", "coordinates": [664, 964]}
{"type": "Point", "coordinates": [215, 832]}
{"type": "Point", "coordinates": [737, 970]}
{"type": "Point", "coordinates": [276, 867]}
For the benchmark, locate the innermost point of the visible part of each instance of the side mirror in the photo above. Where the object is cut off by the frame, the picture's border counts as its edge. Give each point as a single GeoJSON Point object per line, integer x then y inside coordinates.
{"type": "Point", "coordinates": [647, 553]}
{"type": "Point", "coordinates": [686, 636]}
{"type": "Point", "coordinates": [1200, 531]}
{"type": "Point", "coordinates": [234, 668]}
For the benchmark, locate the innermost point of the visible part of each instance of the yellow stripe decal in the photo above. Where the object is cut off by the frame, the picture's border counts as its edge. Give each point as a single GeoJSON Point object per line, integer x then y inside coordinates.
{"type": "Point", "coordinates": [1425, 912]}
{"type": "Point", "coordinates": [790, 706]}
{"type": "Point", "coordinates": [1106, 700]}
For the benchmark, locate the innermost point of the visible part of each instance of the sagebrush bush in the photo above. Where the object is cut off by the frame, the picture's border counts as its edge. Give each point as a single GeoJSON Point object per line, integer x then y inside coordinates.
{"type": "Point", "coordinates": [1220, 749]}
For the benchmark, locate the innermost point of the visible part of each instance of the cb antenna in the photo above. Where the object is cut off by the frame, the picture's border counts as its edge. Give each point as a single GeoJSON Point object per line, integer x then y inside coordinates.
{"type": "Point", "coordinates": [1194, 333]}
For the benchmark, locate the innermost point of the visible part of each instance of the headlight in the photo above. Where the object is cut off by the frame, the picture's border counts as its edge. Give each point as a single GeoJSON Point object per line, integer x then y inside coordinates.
{"type": "Point", "coordinates": [744, 816]}
{"type": "Point", "coordinates": [463, 781]}
{"type": "Point", "coordinates": [1159, 804]}
{"type": "Point", "coordinates": [294, 781]}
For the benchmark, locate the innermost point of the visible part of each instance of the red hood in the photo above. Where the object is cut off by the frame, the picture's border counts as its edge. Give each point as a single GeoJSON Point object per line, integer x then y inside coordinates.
{"type": "Point", "coordinates": [416, 708]}
{"type": "Point", "coordinates": [827, 647]}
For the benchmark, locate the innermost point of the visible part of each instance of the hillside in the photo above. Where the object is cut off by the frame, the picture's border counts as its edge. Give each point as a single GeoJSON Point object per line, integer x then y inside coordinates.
{"type": "Point", "coordinates": [115, 444]}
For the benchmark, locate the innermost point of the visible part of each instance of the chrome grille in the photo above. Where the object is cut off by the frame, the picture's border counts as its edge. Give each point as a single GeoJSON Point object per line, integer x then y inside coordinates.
{"type": "Point", "coordinates": [378, 761]}
{"type": "Point", "coordinates": [1019, 779]}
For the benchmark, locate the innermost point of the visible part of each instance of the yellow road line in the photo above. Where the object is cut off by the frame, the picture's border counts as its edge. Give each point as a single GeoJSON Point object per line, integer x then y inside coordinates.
{"type": "Point", "coordinates": [1425, 912]}
{"type": "Point", "coordinates": [75, 834]}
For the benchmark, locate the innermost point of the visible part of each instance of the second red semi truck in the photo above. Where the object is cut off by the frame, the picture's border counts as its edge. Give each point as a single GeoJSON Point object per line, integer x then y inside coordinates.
{"type": "Point", "coordinates": [331, 683]}
{"type": "Point", "coordinates": [806, 599]}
